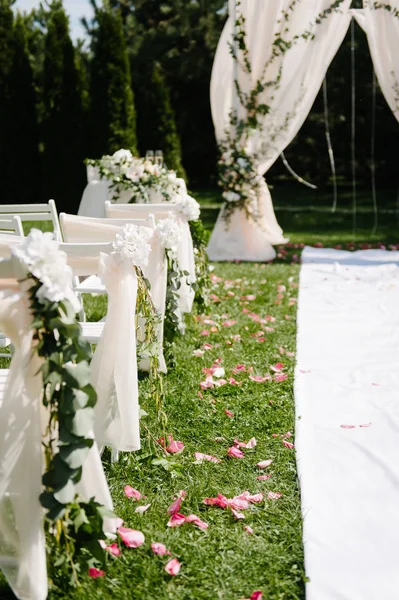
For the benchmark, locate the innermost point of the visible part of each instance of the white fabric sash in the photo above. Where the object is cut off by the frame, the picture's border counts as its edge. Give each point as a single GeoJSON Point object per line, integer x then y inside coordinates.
{"type": "Point", "coordinates": [22, 541]}
{"type": "Point", "coordinates": [185, 251]}
{"type": "Point", "coordinates": [114, 365]}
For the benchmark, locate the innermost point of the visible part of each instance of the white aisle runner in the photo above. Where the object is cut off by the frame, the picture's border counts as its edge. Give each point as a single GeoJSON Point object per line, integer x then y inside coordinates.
{"type": "Point", "coordinates": [347, 438]}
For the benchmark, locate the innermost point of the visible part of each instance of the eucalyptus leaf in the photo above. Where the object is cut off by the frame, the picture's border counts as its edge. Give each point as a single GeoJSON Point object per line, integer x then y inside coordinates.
{"type": "Point", "coordinates": [77, 375]}
{"type": "Point", "coordinates": [83, 422]}
{"type": "Point", "coordinates": [74, 456]}
{"type": "Point", "coordinates": [66, 494]}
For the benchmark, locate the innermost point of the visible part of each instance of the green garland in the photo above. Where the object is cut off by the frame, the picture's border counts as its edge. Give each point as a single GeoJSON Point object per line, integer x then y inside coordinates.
{"type": "Point", "coordinates": [69, 399]}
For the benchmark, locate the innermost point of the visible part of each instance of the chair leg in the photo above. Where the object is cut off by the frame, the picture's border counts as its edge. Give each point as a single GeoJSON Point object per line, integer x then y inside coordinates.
{"type": "Point", "coordinates": [114, 455]}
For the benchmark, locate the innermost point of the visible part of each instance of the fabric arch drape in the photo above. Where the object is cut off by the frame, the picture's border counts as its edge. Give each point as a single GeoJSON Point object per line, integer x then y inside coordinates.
{"type": "Point", "coordinates": [382, 29]}
{"type": "Point", "coordinates": [300, 70]}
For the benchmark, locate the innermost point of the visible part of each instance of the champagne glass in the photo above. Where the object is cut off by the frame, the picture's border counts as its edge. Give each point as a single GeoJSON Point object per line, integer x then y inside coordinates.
{"type": "Point", "coordinates": [159, 157]}
{"type": "Point", "coordinates": [150, 155]}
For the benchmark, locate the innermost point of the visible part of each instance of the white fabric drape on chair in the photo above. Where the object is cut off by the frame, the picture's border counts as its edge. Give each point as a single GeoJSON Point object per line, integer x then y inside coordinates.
{"type": "Point", "coordinates": [185, 250]}
{"type": "Point", "coordinates": [23, 420]}
{"type": "Point", "coordinates": [114, 364]}
{"type": "Point", "coordinates": [22, 542]}
{"type": "Point", "coordinates": [301, 70]}
{"type": "Point", "coordinates": [382, 30]}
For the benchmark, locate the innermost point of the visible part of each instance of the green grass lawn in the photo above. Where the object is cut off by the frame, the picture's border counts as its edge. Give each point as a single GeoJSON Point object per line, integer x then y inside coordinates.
{"type": "Point", "coordinates": [224, 561]}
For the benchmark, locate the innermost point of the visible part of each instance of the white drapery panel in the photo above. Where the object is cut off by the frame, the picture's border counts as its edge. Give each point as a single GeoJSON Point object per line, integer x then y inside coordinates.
{"type": "Point", "coordinates": [22, 542]}
{"type": "Point", "coordinates": [382, 30]}
{"type": "Point", "coordinates": [114, 364]}
{"type": "Point", "coordinates": [82, 229]}
{"type": "Point", "coordinates": [23, 421]}
{"type": "Point", "coordinates": [185, 250]}
{"type": "Point", "coordinates": [301, 70]}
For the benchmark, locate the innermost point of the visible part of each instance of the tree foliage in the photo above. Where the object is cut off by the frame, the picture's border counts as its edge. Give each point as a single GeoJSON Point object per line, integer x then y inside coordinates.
{"type": "Point", "coordinates": [156, 120]}
{"type": "Point", "coordinates": [63, 118]}
{"type": "Point", "coordinates": [112, 110]}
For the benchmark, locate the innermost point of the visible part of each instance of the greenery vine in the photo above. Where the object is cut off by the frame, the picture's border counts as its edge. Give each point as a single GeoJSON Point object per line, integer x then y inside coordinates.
{"type": "Point", "coordinates": [69, 399]}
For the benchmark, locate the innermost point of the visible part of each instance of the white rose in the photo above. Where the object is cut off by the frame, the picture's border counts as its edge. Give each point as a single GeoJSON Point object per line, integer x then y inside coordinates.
{"type": "Point", "coordinates": [122, 155]}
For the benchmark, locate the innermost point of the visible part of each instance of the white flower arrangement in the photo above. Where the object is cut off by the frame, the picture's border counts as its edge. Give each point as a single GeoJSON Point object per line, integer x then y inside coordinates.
{"type": "Point", "coordinates": [169, 232]}
{"type": "Point", "coordinates": [40, 256]}
{"type": "Point", "coordinates": [189, 208]}
{"type": "Point", "coordinates": [144, 179]}
{"type": "Point", "coordinates": [131, 243]}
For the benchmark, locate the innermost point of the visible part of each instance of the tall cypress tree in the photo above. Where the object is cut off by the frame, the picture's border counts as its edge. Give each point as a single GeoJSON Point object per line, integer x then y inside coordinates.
{"type": "Point", "coordinates": [25, 174]}
{"type": "Point", "coordinates": [112, 113]}
{"type": "Point", "coordinates": [63, 122]}
{"type": "Point", "coordinates": [156, 122]}
{"type": "Point", "coordinates": [6, 51]}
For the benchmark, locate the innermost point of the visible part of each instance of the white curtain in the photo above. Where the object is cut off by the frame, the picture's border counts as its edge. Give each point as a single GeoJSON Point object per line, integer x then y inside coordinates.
{"type": "Point", "coordinates": [301, 71]}
{"type": "Point", "coordinates": [382, 29]}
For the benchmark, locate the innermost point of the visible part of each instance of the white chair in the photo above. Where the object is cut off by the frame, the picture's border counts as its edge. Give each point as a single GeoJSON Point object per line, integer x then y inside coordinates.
{"type": "Point", "coordinates": [34, 212]}
{"type": "Point", "coordinates": [11, 225]}
{"type": "Point", "coordinates": [22, 420]}
{"type": "Point", "coordinates": [76, 229]}
{"type": "Point", "coordinates": [88, 229]}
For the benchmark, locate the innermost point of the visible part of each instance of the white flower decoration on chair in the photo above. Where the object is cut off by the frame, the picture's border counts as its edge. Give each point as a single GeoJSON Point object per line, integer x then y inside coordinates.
{"type": "Point", "coordinates": [39, 255]}
{"type": "Point", "coordinates": [169, 233]}
{"type": "Point", "coordinates": [131, 243]}
{"type": "Point", "coordinates": [189, 208]}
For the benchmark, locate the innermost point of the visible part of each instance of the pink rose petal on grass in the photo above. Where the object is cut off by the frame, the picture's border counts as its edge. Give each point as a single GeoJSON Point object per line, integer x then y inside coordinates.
{"type": "Point", "coordinates": [220, 500]}
{"type": "Point", "coordinates": [173, 567]}
{"type": "Point", "coordinates": [159, 549]}
{"type": "Point", "coordinates": [176, 520]}
{"type": "Point", "coordinates": [259, 378]}
{"type": "Point", "coordinates": [112, 549]}
{"type": "Point", "coordinates": [263, 464]}
{"type": "Point", "coordinates": [199, 457]}
{"type": "Point", "coordinates": [204, 332]}
{"type": "Point", "coordinates": [280, 377]}
{"type": "Point", "coordinates": [95, 573]}
{"type": "Point", "coordinates": [229, 323]}
{"type": "Point", "coordinates": [207, 347]}
{"type": "Point", "coordinates": [173, 447]}
{"type": "Point", "coordinates": [263, 477]}
{"type": "Point", "coordinates": [251, 443]}
{"type": "Point", "coordinates": [256, 596]}
{"type": "Point", "coordinates": [198, 353]}
{"type": "Point", "coordinates": [237, 515]}
{"type": "Point", "coordinates": [197, 521]}
{"type": "Point", "coordinates": [142, 509]}
{"type": "Point", "coordinates": [132, 493]}
{"type": "Point", "coordinates": [229, 413]}
{"type": "Point", "coordinates": [234, 452]}
{"type": "Point", "coordinates": [248, 529]}
{"type": "Point", "coordinates": [273, 495]}
{"type": "Point", "coordinates": [288, 445]}
{"type": "Point", "coordinates": [130, 537]}
{"type": "Point", "coordinates": [175, 506]}
{"type": "Point", "coordinates": [277, 368]}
